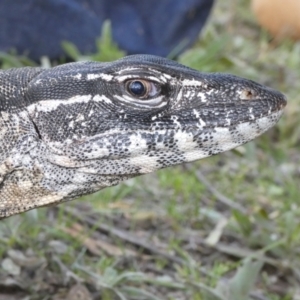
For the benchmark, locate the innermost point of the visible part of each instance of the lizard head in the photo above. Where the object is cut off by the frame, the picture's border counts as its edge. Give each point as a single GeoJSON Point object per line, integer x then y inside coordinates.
{"type": "Point", "coordinates": [97, 124]}
{"type": "Point", "coordinates": [146, 112]}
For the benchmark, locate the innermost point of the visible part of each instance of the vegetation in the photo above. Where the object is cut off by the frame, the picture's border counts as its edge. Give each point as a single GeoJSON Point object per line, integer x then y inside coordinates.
{"type": "Point", "coordinates": [224, 228]}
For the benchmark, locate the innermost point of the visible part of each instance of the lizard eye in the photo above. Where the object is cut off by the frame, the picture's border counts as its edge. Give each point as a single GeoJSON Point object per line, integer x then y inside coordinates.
{"type": "Point", "coordinates": [142, 88]}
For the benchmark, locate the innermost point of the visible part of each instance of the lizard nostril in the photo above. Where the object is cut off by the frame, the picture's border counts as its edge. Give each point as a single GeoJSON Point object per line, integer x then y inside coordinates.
{"type": "Point", "coordinates": [247, 94]}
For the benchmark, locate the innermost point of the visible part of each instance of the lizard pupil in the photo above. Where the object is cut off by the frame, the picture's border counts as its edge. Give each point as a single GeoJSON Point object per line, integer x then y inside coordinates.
{"type": "Point", "coordinates": [137, 88]}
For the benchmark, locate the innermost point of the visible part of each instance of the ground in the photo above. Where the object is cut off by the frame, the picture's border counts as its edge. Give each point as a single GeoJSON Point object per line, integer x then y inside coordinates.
{"type": "Point", "coordinates": [223, 228]}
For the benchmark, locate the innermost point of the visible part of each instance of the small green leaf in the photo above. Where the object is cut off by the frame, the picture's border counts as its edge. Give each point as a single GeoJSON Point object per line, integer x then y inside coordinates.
{"type": "Point", "coordinates": [240, 286]}
{"type": "Point", "coordinates": [107, 49]}
{"type": "Point", "coordinates": [243, 221]}
{"type": "Point", "coordinates": [71, 50]}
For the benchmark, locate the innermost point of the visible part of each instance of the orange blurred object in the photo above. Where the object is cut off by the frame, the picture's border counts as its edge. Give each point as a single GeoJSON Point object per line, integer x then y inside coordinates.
{"type": "Point", "coordinates": [280, 18]}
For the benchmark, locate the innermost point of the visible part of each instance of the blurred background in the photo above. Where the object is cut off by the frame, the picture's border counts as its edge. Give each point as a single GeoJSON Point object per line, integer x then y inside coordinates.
{"type": "Point", "coordinates": [223, 228]}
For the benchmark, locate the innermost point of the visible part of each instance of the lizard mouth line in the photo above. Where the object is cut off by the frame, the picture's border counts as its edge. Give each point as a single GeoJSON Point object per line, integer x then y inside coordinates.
{"type": "Point", "coordinates": [263, 123]}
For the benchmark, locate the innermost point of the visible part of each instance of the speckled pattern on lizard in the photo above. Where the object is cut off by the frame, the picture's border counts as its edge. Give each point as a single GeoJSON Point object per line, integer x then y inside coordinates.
{"type": "Point", "coordinates": [77, 128]}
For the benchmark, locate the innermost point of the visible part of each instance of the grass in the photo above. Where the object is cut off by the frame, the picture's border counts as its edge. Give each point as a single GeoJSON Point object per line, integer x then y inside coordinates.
{"type": "Point", "coordinates": [169, 235]}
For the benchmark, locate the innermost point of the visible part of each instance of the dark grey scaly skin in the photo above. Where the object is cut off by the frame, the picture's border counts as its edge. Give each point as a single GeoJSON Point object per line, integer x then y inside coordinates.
{"type": "Point", "coordinates": [76, 128]}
